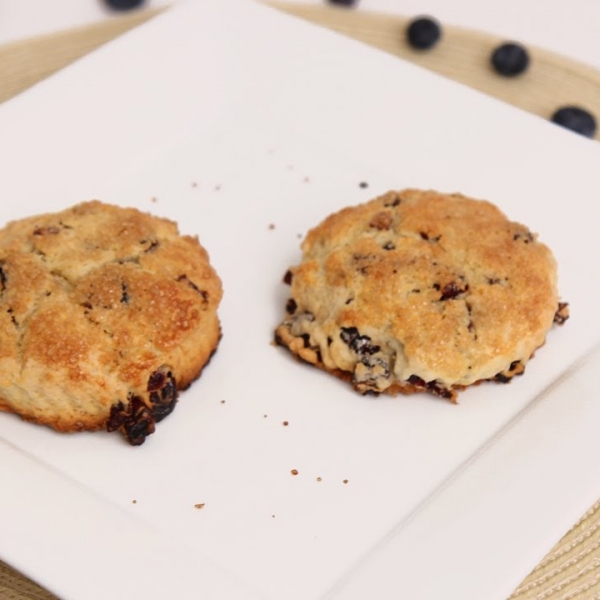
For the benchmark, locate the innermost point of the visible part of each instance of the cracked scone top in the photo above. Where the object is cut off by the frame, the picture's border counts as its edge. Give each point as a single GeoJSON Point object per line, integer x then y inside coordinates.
{"type": "Point", "coordinates": [105, 313]}
{"type": "Point", "coordinates": [417, 290]}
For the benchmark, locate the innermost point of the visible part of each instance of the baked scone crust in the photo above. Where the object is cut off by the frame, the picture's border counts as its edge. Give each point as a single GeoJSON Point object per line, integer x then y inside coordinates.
{"type": "Point", "coordinates": [419, 290]}
{"type": "Point", "coordinates": [105, 312]}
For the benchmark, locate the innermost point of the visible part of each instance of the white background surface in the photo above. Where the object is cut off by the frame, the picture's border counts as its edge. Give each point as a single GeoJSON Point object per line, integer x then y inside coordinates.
{"type": "Point", "coordinates": [497, 504]}
{"type": "Point", "coordinates": [569, 28]}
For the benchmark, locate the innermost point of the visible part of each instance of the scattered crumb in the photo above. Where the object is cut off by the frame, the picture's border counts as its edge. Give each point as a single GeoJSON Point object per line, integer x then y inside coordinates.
{"type": "Point", "coordinates": [222, 401]}
{"type": "Point", "coordinates": [319, 479]}
{"type": "Point", "coordinates": [272, 516]}
{"type": "Point", "coordinates": [200, 505]}
{"type": "Point", "coordinates": [345, 481]}
{"type": "Point", "coordinates": [265, 416]}
{"type": "Point", "coordinates": [134, 502]}
{"type": "Point", "coordinates": [363, 185]}
{"type": "Point", "coordinates": [271, 225]}
{"type": "Point", "coordinates": [299, 236]}
{"type": "Point", "coordinates": [285, 423]}
{"type": "Point", "coordinates": [217, 187]}
{"type": "Point", "coordinates": [153, 199]}
{"type": "Point", "coordinates": [306, 179]}
{"type": "Point", "coordinates": [294, 471]}
{"type": "Point", "coordinates": [194, 184]}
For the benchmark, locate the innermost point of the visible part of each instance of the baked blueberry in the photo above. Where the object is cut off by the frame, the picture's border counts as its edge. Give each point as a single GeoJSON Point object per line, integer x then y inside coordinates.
{"type": "Point", "coordinates": [510, 59]}
{"type": "Point", "coordinates": [124, 4]}
{"type": "Point", "coordinates": [576, 119]}
{"type": "Point", "coordinates": [423, 33]}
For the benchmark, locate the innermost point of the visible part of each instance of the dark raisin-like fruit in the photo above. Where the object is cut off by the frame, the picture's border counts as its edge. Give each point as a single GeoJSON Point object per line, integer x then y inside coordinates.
{"type": "Point", "coordinates": [452, 290]}
{"type": "Point", "coordinates": [510, 59]}
{"type": "Point", "coordinates": [343, 2]}
{"type": "Point", "coordinates": [425, 236]}
{"type": "Point", "coordinates": [162, 389]}
{"type": "Point", "coordinates": [124, 293]}
{"type": "Point", "coordinates": [516, 368]}
{"type": "Point", "coordinates": [50, 230]}
{"type": "Point", "coordinates": [423, 33]}
{"type": "Point", "coordinates": [361, 344]}
{"type": "Point", "coordinates": [439, 390]}
{"type": "Point", "coordinates": [416, 380]}
{"type": "Point", "coordinates": [562, 313]}
{"type": "Point", "coordinates": [291, 306]}
{"type": "Point", "coordinates": [124, 4]}
{"type": "Point", "coordinates": [193, 286]}
{"type": "Point", "coordinates": [395, 202]}
{"type": "Point", "coordinates": [152, 245]}
{"type": "Point", "coordinates": [348, 334]}
{"type": "Point", "coordinates": [527, 237]}
{"type": "Point", "coordinates": [140, 426]}
{"type": "Point", "coordinates": [134, 419]}
{"type": "Point", "coordinates": [576, 119]}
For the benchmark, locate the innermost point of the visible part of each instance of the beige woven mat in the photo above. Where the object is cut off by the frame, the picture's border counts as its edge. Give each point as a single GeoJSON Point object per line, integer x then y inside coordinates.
{"type": "Point", "coordinates": [571, 570]}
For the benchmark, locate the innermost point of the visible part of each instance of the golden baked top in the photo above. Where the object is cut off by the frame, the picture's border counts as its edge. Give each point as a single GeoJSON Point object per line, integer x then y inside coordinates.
{"type": "Point", "coordinates": [97, 304]}
{"type": "Point", "coordinates": [418, 287]}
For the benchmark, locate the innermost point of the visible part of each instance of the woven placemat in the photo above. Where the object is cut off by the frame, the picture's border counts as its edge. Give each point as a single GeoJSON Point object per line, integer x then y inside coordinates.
{"type": "Point", "coordinates": [14, 586]}
{"type": "Point", "coordinates": [25, 63]}
{"type": "Point", "coordinates": [462, 55]}
{"type": "Point", "coordinates": [571, 570]}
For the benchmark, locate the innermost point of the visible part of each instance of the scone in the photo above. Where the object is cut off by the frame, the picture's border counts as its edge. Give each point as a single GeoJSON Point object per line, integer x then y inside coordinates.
{"type": "Point", "coordinates": [421, 291]}
{"type": "Point", "coordinates": [105, 313]}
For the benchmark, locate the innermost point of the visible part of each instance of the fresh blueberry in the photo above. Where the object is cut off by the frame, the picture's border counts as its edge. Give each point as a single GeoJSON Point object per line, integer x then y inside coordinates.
{"type": "Point", "coordinates": [124, 4]}
{"type": "Point", "coordinates": [510, 59]}
{"type": "Point", "coordinates": [423, 33]}
{"type": "Point", "coordinates": [576, 119]}
{"type": "Point", "coordinates": [343, 2]}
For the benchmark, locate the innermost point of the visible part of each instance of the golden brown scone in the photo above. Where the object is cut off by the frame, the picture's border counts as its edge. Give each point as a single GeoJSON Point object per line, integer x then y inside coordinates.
{"type": "Point", "coordinates": [105, 312]}
{"type": "Point", "coordinates": [417, 290]}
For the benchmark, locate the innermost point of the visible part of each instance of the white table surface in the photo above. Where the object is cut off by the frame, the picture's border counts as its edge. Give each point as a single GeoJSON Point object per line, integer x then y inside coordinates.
{"type": "Point", "coordinates": [569, 28]}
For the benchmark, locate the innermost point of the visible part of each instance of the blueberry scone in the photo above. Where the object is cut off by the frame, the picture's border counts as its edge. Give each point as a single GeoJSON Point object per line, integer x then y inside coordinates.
{"type": "Point", "coordinates": [421, 291]}
{"type": "Point", "coordinates": [105, 313]}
